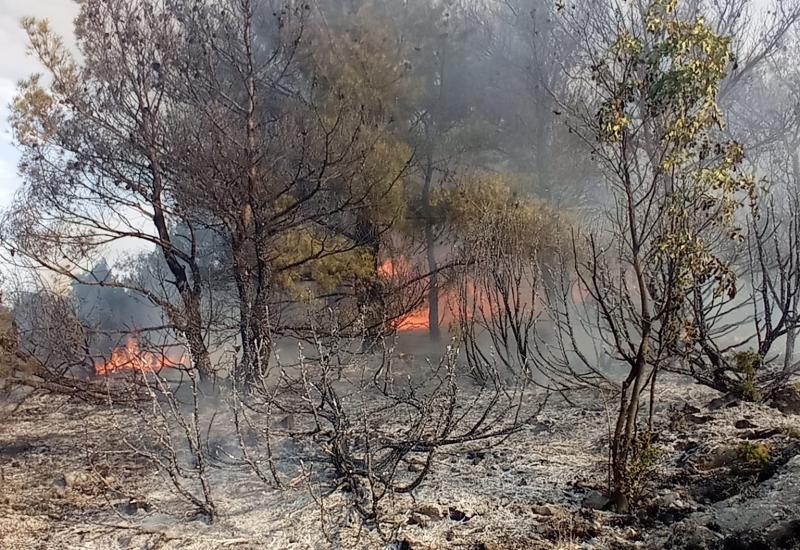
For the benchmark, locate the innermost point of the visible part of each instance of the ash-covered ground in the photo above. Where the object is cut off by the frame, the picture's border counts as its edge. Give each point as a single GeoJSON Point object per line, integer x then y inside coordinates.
{"type": "Point", "coordinates": [728, 476]}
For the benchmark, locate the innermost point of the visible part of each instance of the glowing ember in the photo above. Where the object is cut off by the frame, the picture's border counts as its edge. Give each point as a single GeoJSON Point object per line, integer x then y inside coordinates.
{"type": "Point", "coordinates": [131, 357]}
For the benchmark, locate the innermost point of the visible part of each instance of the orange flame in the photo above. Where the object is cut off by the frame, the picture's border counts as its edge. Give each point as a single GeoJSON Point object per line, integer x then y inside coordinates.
{"type": "Point", "coordinates": [131, 357]}
{"type": "Point", "coordinates": [417, 319]}
{"type": "Point", "coordinates": [387, 269]}
{"type": "Point", "coordinates": [414, 320]}
{"type": "Point", "coordinates": [478, 300]}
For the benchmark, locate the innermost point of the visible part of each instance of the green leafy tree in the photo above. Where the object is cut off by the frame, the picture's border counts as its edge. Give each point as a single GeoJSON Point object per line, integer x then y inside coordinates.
{"type": "Point", "coordinates": [653, 124]}
{"type": "Point", "coordinates": [199, 117]}
{"type": "Point", "coordinates": [94, 158]}
{"type": "Point", "coordinates": [430, 74]}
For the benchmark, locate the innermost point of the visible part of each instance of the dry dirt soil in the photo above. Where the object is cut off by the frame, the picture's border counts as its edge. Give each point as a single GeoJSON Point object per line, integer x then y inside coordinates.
{"type": "Point", "coordinates": [69, 480]}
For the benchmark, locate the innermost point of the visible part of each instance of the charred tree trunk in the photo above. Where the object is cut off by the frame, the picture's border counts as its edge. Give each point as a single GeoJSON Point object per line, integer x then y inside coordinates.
{"type": "Point", "coordinates": [430, 247]}
{"type": "Point", "coordinates": [791, 333]}
{"type": "Point", "coordinates": [241, 274]}
{"type": "Point", "coordinates": [196, 341]}
{"type": "Point", "coordinates": [253, 274]}
{"type": "Point", "coordinates": [370, 297]}
{"type": "Point", "coordinates": [190, 319]}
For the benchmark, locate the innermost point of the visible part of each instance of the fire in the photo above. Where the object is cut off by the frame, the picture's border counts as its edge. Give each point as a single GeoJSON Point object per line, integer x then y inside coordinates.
{"type": "Point", "coordinates": [131, 357]}
{"type": "Point", "coordinates": [392, 268]}
{"type": "Point", "coordinates": [418, 319]}
{"type": "Point", "coordinates": [414, 320]}
{"type": "Point", "coordinates": [479, 301]}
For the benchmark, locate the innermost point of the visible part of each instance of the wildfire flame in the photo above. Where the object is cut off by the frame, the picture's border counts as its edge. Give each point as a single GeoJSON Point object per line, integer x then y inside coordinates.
{"type": "Point", "coordinates": [478, 300]}
{"type": "Point", "coordinates": [388, 269]}
{"type": "Point", "coordinates": [414, 320]}
{"type": "Point", "coordinates": [131, 357]}
{"type": "Point", "coordinates": [419, 318]}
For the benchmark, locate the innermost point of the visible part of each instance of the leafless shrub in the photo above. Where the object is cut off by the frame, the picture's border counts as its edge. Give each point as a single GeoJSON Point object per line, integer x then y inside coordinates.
{"type": "Point", "coordinates": [731, 342]}
{"type": "Point", "coordinates": [362, 425]}
{"type": "Point", "coordinates": [174, 427]}
{"type": "Point", "coordinates": [498, 307]}
{"type": "Point", "coordinates": [774, 263]}
{"type": "Point", "coordinates": [50, 346]}
{"type": "Point", "coordinates": [377, 426]}
{"type": "Point", "coordinates": [504, 260]}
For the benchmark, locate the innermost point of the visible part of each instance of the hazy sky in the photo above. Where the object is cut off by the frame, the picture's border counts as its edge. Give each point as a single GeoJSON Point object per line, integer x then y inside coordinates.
{"type": "Point", "coordinates": [15, 65]}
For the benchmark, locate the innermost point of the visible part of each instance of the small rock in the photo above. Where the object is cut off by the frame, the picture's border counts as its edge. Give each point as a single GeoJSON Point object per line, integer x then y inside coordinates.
{"type": "Point", "coordinates": [60, 484]}
{"type": "Point", "coordinates": [744, 424]}
{"type": "Point", "coordinates": [130, 507]}
{"type": "Point", "coordinates": [670, 499]}
{"type": "Point", "coordinates": [74, 479]}
{"type": "Point", "coordinates": [630, 533]}
{"type": "Point", "coordinates": [689, 534]}
{"type": "Point", "coordinates": [698, 418]}
{"type": "Point", "coordinates": [762, 434]}
{"type": "Point", "coordinates": [729, 400]}
{"type": "Point", "coordinates": [786, 534]}
{"type": "Point", "coordinates": [457, 515]}
{"type": "Point", "coordinates": [619, 503]}
{"type": "Point", "coordinates": [718, 457]}
{"type": "Point", "coordinates": [787, 400]}
{"type": "Point", "coordinates": [476, 457]}
{"type": "Point", "coordinates": [596, 500]}
{"type": "Point", "coordinates": [60, 481]}
{"type": "Point", "coordinates": [418, 519]}
{"type": "Point", "coordinates": [430, 510]}
{"type": "Point", "coordinates": [543, 510]}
